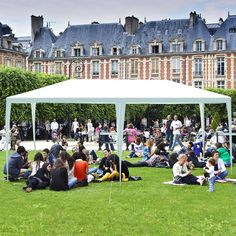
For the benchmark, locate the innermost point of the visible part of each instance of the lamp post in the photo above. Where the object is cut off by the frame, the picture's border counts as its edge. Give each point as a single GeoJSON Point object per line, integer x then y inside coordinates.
{"type": "Point", "coordinates": [79, 68]}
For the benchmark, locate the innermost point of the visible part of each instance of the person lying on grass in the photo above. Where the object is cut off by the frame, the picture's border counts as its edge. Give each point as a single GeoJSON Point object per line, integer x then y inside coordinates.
{"type": "Point", "coordinates": [153, 161]}
{"type": "Point", "coordinates": [184, 176]}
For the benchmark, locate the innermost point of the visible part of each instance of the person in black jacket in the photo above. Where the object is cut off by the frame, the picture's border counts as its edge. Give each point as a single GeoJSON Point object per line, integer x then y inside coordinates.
{"type": "Point", "coordinates": [40, 180]}
{"type": "Point", "coordinates": [59, 176]}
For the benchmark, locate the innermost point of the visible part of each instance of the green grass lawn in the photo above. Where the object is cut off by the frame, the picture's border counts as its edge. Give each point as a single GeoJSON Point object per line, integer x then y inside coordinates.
{"type": "Point", "coordinates": [145, 207]}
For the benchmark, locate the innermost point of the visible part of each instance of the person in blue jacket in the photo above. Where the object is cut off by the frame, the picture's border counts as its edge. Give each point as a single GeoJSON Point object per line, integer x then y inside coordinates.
{"type": "Point", "coordinates": [15, 163]}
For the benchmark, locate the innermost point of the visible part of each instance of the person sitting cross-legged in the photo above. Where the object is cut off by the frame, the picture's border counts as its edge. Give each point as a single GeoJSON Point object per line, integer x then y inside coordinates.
{"type": "Point", "coordinates": [184, 176]}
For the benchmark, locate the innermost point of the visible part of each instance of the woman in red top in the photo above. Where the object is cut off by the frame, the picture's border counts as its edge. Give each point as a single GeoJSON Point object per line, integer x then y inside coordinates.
{"type": "Point", "coordinates": [81, 170]}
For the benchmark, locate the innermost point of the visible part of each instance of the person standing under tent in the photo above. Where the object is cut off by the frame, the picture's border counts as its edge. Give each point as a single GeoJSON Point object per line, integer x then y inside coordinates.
{"type": "Point", "coordinates": [54, 129]}
{"type": "Point", "coordinates": [176, 126]}
{"type": "Point", "coordinates": [48, 130]}
{"type": "Point", "coordinates": [74, 127]}
{"type": "Point", "coordinates": [169, 131]}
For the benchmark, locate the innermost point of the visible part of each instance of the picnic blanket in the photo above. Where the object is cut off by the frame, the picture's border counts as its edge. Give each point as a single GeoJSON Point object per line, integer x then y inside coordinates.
{"type": "Point", "coordinates": [218, 181]}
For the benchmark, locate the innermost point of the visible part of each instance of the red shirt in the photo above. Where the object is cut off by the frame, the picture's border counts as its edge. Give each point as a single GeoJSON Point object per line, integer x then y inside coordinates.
{"type": "Point", "coordinates": [81, 169]}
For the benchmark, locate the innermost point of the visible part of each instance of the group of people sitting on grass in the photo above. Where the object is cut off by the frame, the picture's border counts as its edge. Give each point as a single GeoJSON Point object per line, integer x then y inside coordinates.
{"type": "Point", "coordinates": [58, 170]}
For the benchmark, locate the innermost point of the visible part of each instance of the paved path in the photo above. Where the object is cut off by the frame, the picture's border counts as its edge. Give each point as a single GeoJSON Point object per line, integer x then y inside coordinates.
{"type": "Point", "coordinates": [41, 144]}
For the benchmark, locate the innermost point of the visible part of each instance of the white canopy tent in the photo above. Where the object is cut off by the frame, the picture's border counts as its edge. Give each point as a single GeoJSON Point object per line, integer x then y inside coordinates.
{"type": "Point", "coordinates": [119, 93]}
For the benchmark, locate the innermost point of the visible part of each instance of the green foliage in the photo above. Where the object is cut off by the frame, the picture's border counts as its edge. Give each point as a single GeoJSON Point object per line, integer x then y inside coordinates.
{"type": "Point", "coordinates": [15, 81]}
{"type": "Point", "coordinates": [146, 207]}
{"type": "Point", "coordinates": [215, 121]}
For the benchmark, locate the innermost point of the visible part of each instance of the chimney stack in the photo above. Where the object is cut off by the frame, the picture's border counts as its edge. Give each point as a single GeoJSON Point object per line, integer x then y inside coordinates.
{"type": "Point", "coordinates": [131, 24]}
{"type": "Point", "coordinates": [192, 19]}
{"type": "Point", "coordinates": [36, 25]}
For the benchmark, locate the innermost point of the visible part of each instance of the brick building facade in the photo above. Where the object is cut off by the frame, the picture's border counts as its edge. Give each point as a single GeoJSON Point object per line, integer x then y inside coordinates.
{"type": "Point", "coordinates": [187, 51]}
{"type": "Point", "coordinates": [11, 51]}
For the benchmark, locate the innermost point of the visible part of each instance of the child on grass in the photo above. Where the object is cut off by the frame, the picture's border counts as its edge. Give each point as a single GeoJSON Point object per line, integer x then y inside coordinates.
{"type": "Point", "coordinates": [210, 169]}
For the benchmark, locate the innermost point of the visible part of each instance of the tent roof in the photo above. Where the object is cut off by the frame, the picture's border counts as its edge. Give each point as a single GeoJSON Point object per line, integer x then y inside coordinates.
{"type": "Point", "coordinates": [114, 91]}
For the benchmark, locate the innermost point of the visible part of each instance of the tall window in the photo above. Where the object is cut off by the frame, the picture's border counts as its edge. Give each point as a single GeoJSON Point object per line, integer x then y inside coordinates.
{"type": "Point", "coordinates": [155, 49]}
{"type": "Point", "coordinates": [37, 54]}
{"type": "Point", "coordinates": [134, 50]}
{"type": "Point", "coordinates": [114, 51]}
{"type": "Point", "coordinates": [77, 52]}
{"type": "Point", "coordinates": [220, 66]}
{"type": "Point", "coordinates": [134, 67]}
{"type": "Point", "coordinates": [155, 65]}
{"type": "Point", "coordinates": [37, 67]}
{"type": "Point", "coordinates": [114, 67]}
{"type": "Point", "coordinates": [95, 67]}
{"type": "Point", "coordinates": [175, 47]}
{"type": "Point", "coordinates": [95, 51]}
{"type": "Point", "coordinates": [219, 45]}
{"type": "Point", "coordinates": [198, 67]}
{"type": "Point", "coordinates": [221, 84]}
{"type": "Point", "coordinates": [58, 53]}
{"type": "Point", "coordinates": [198, 46]}
{"type": "Point", "coordinates": [175, 65]}
{"type": "Point", "coordinates": [58, 67]}
{"type": "Point", "coordinates": [19, 64]}
{"type": "Point", "coordinates": [198, 84]}
{"type": "Point", "coordinates": [8, 62]}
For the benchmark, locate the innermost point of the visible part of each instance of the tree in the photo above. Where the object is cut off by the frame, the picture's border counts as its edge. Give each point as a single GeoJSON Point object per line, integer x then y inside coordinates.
{"type": "Point", "coordinates": [215, 121]}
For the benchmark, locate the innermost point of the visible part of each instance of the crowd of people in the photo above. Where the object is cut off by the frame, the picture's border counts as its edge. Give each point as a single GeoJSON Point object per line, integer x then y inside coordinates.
{"type": "Point", "coordinates": [60, 170]}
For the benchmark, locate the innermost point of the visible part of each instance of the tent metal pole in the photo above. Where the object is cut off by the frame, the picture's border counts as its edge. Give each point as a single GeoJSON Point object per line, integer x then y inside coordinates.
{"type": "Point", "coordinates": [33, 108]}
{"type": "Point", "coordinates": [202, 115]}
{"type": "Point", "coordinates": [120, 119]}
{"type": "Point", "coordinates": [229, 111]}
{"type": "Point", "coordinates": [7, 123]}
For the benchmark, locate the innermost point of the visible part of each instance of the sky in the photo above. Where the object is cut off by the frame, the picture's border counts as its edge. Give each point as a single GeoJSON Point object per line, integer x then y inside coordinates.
{"type": "Point", "coordinates": [57, 13]}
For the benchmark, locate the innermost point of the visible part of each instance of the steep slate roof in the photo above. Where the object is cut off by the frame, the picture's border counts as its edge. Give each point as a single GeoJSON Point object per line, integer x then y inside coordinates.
{"type": "Point", "coordinates": [44, 40]}
{"type": "Point", "coordinates": [108, 35]}
{"type": "Point", "coordinates": [113, 34]}
{"type": "Point", "coordinates": [223, 32]}
{"type": "Point", "coordinates": [163, 30]}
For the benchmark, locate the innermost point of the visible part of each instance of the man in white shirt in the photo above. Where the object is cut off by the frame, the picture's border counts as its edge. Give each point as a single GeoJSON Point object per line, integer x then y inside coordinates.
{"type": "Point", "coordinates": [54, 125]}
{"type": "Point", "coordinates": [176, 126]}
{"type": "Point", "coordinates": [75, 125]}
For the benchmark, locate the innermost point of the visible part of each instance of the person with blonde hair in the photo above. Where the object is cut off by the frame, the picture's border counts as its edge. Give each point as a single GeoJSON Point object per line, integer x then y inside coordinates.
{"type": "Point", "coordinates": [184, 176]}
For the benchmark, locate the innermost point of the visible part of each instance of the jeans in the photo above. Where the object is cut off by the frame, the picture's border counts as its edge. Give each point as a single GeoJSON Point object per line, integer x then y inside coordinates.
{"type": "Point", "coordinates": [73, 181]}
{"type": "Point", "coordinates": [222, 175]}
{"type": "Point", "coordinates": [169, 138]}
{"type": "Point", "coordinates": [176, 138]}
{"type": "Point", "coordinates": [212, 183]}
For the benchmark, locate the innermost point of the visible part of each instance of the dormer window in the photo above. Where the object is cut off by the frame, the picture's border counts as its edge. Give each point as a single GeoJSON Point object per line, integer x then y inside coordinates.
{"type": "Point", "coordinates": [115, 51]}
{"type": "Point", "coordinates": [155, 47]}
{"type": "Point", "coordinates": [38, 53]}
{"type": "Point", "coordinates": [59, 53]}
{"type": "Point", "coordinates": [199, 45]}
{"type": "Point", "coordinates": [220, 44]}
{"type": "Point", "coordinates": [176, 45]}
{"type": "Point", "coordinates": [96, 49]}
{"type": "Point", "coordinates": [77, 50]}
{"type": "Point", "coordinates": [232, 30]}
{"type": "Point", "coordinates": [135, 49]}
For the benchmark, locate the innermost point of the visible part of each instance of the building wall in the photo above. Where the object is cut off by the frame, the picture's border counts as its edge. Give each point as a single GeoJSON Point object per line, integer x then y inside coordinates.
{"type": "Point", "coordinates": [12, 59]}
{"type": "Point", "coordinates": [186, 74]}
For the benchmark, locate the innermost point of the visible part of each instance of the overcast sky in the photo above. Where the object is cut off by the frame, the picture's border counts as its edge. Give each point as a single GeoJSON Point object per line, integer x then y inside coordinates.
{"type": "Point", "coordinates": [16, 13]}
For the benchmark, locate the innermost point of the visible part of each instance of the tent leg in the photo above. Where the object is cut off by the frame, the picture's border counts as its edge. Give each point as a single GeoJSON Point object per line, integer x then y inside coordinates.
{"type": "Point", "coordinates": [202, 115]}
{"type": "Point", "coordinates": [229, 111]}
{"type": "Point", "coordinates": [120, 119]}
{"type": "Point", "coordinates": [7, 123]}
{"type": "Point", "coordinates": [33, 108]}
